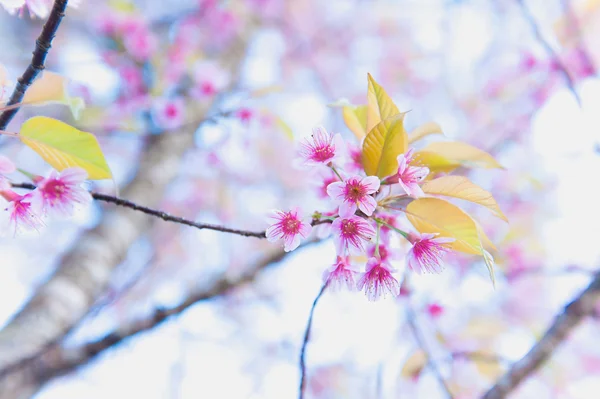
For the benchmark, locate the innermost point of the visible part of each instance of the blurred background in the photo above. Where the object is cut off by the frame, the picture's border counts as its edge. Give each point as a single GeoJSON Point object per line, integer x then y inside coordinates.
{"type": "Point", "coordinates": [198, 106]}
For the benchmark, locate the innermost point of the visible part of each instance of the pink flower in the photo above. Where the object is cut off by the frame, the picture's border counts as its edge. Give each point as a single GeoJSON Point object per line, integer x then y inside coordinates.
{"type": "Point", "coordinates": [426, 252]}
{"type": "Point", "coordinates": [37, 8]}
{"type": "Point", "coordinates": [339, 274]}
{"type": "Point", "coordinates": [21, 212]}
{"type": "Point", "coordinates": [288, 227]}
{"type": "Point", "coordinates": [355, 193]}
{"type": "Point", "coordinates": [322, 149]}
{"type": "Point", "coordinates": [354, 164]}
{"type": "Point", "coordinates": [244, 115]}
{"type": "Point", "coordinates": [169, 113]}
{"type": "Point", "coordinates": [6, 165]}
{"type": "Point", "coordinates": [435, 310]}
{"type": "Point", "coordinates": [59, 192]}
{"type": "Point", "coordinates": [409, 177]}
{"type": "Point", "coordinates": [377, 280]}
{"type": "Point", "coordinates": [139, 42]}
{"type": "Point", "coordinates": [350, 232]}
{"type": "Point", "coordinates": [210, 79]}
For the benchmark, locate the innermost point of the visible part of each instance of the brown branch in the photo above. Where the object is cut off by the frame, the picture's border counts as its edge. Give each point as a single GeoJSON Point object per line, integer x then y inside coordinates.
{"type": "Point", "coordinates": [305, 340]}
{"type": "Point", "coordinates": [57, 360]}
{"type": "Point", "coordinates": [171, 218]}
{"type": "Point", "coordinates": [582, 306]}
{"type": "Point", "coordinates": [42, 47]}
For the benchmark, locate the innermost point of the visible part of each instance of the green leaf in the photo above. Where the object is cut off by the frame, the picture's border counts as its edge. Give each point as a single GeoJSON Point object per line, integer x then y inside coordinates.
{"type": "Point", "coordinates": [382, 146]}
{"type": "Point", "coordinates": [380, 105]}
{"type": "Point", "coordinates": [64, 146]}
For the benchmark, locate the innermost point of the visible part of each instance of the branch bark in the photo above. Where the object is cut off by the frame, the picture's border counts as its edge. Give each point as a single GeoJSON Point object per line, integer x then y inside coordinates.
{"type": "Point", "coordinates": [42, 47]}
{"type": "Point", "coordinates": [31, 375]}
{"type": "Point", "coordinates": [582, 306]}
{"type": "Point", "coordinates": [84, 272]}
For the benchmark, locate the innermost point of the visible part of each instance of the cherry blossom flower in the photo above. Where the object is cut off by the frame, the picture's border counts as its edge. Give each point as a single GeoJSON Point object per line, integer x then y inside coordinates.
{"type": "Point", "coordinates": [289, 227]}
{"type": "Point", "coordinates": [6, 167]}
{"type": "Point", "coordinates": [37, 8]}
{"type": "Point", "coordinates": [210, 79]}
{"type": "Point", "coordinates": [21, 213]}
{"type": "Point", "coordinates": [244, 115]}
{"type": "Point", "coordinates": [386, 254]}
{"type": "Point", "coordinates": [426, 254]}
{"type": "Point", "coordinates": [408, 176]}
{"type": "Point", "coordinates": [59, 192]}
{"type": "Point", "coordinates": [355, 193]}
{"type": "Point", "coordinates": [377, 280]}
{"type": "Point", "coordinates": [340, 274]}
{"type": "Point", "coordinates": [139, 42]}
{"type": "Point", "coordinates": [354, 164]}
{"type": "Point", "coordinates": [323, 147]}
{"type": "Point", "coordinates": [168, 113]}
{"type": "Point", "coordinates": [350, 232]}
{"type": "Point", "coordinates": [435, 310]}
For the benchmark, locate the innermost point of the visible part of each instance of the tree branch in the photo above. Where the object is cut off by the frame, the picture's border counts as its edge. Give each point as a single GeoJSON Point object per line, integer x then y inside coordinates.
{"type": "Point", "coordinates": [57, 360]}
{"type": "Point", "coordinates": [171, 218]}
{"type": "Point", "coordinates": [546, 45]}
{"type": "Point", "coordinates": [42, 47]}
{"type": "Point", "coordinates": [414, 327]}
{"type": "Point", "coordinates": [305, 343]}
{"type": "Point", "coordinates": [583, 305]}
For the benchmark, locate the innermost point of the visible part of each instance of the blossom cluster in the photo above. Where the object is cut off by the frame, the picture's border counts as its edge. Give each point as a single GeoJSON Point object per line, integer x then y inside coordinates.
{"type": "Point", "coordinates": [361, 223]}
{"type": "Point", "coordinates": [57, 194]}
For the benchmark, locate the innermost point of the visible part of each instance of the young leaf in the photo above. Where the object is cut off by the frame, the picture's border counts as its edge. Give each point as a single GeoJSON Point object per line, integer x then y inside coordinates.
{"type": "Point", "coordinates": [380, 105]}
{"type": "Point", "coordinates": [414, 364]}
{"type": "Point", "coordinates": [462, 188]}
{"type": "Point", "coordinates": [51, 88]}
{"type": "Point", "coordinates": [435, 162]}
{"type": "Point", "coordinates": [424, 130]}
{"type": "Point", "coordinates": [382, 146]}
{"type": "Point", "coordinates": [355, 118]}
{"type": "Point", "coordinates": [458, 153]}
{"type": "Point", "coordinates": [63, 146]}
{"type": "Point", "coordinates": [434, 215]}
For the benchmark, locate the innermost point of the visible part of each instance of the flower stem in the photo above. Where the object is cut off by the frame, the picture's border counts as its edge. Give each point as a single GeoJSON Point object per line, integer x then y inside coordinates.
{"type": "Point", "coordinates": [397, 230]}
{"type": "Point", "coordinates": [336, 172]}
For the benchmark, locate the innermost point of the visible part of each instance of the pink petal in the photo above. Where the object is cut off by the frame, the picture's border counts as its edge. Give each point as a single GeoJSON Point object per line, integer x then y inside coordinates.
{"type": "Point", "coordinates": [371, 183]}
{"type": "Point", "coordinates": [6, 165]}
{"type": "Point", "coordinates": [368, 205]}
{"type": "Point", "coordinates": [336, 190]}
{"type": "Point", "coordinates": [347, 209]}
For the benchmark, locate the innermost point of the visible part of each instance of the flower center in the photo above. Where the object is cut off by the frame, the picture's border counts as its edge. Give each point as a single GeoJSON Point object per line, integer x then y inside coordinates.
{"type": "Point", "coordinates": [349, 228]}
{"type": "Point", "coordinates": [291, 225]}
{"type": "Point", "coordinates": [355, 191]}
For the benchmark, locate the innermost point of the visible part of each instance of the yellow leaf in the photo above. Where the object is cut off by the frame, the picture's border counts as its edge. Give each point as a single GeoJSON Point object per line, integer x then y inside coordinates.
{"type": "Point", "coordinates": [434, 215]}
{"type": "Point", "coordinates": [424, 130]}
{"type": "Point", "coordinates": [51, 88]}
{"type": "Point", "coordinates": [380, 105]}
{"type": "Point", "coordinates": [63, 146]}
{"type": "Point", "coordinates": [462, 188]}
{"type": "Point", "coordinates": [355, 118]}
{"type": "Point", "coordinates": [463, 154]}
{"type": "Point", "coordinates": [435, 162]}
{"type": "Point", "coordinates": [414, 364]}
{"type": "Point", "coordinates": [382, 146]}
{"type": "Point", "coordinates": [289, 133]}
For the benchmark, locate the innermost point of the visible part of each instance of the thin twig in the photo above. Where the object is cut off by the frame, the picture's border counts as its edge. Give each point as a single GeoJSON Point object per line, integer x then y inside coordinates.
{"type": "Point", "coordinates": [582, 306]}
{"type": "Point", "coordinates": [553, 55]}
{"type": "Point", "coordinates": [414, 327]}
{"type": "Point", "coordinates": [168, 217]}
{"type": "Point", "coordinates": [42, 46]}
{"type": "Point", "coordinates": [305, 343]}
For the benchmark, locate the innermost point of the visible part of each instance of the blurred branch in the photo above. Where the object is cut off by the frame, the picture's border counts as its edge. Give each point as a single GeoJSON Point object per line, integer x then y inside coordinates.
{"type": "Point", "coordinates": [42, 46]}
{"type": "Point", "coordinates": [305, 343]}
{"type": "Point", "coordinates": [546, 45]}
{"type": "Point", "coordinates": [416, 330]}
{"type": "Point", "coordinates": [582, 306]}
{"type": "Point", "coordinates": [58, 360]}
{"type": "Point", "coordinates": [85, 270]}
